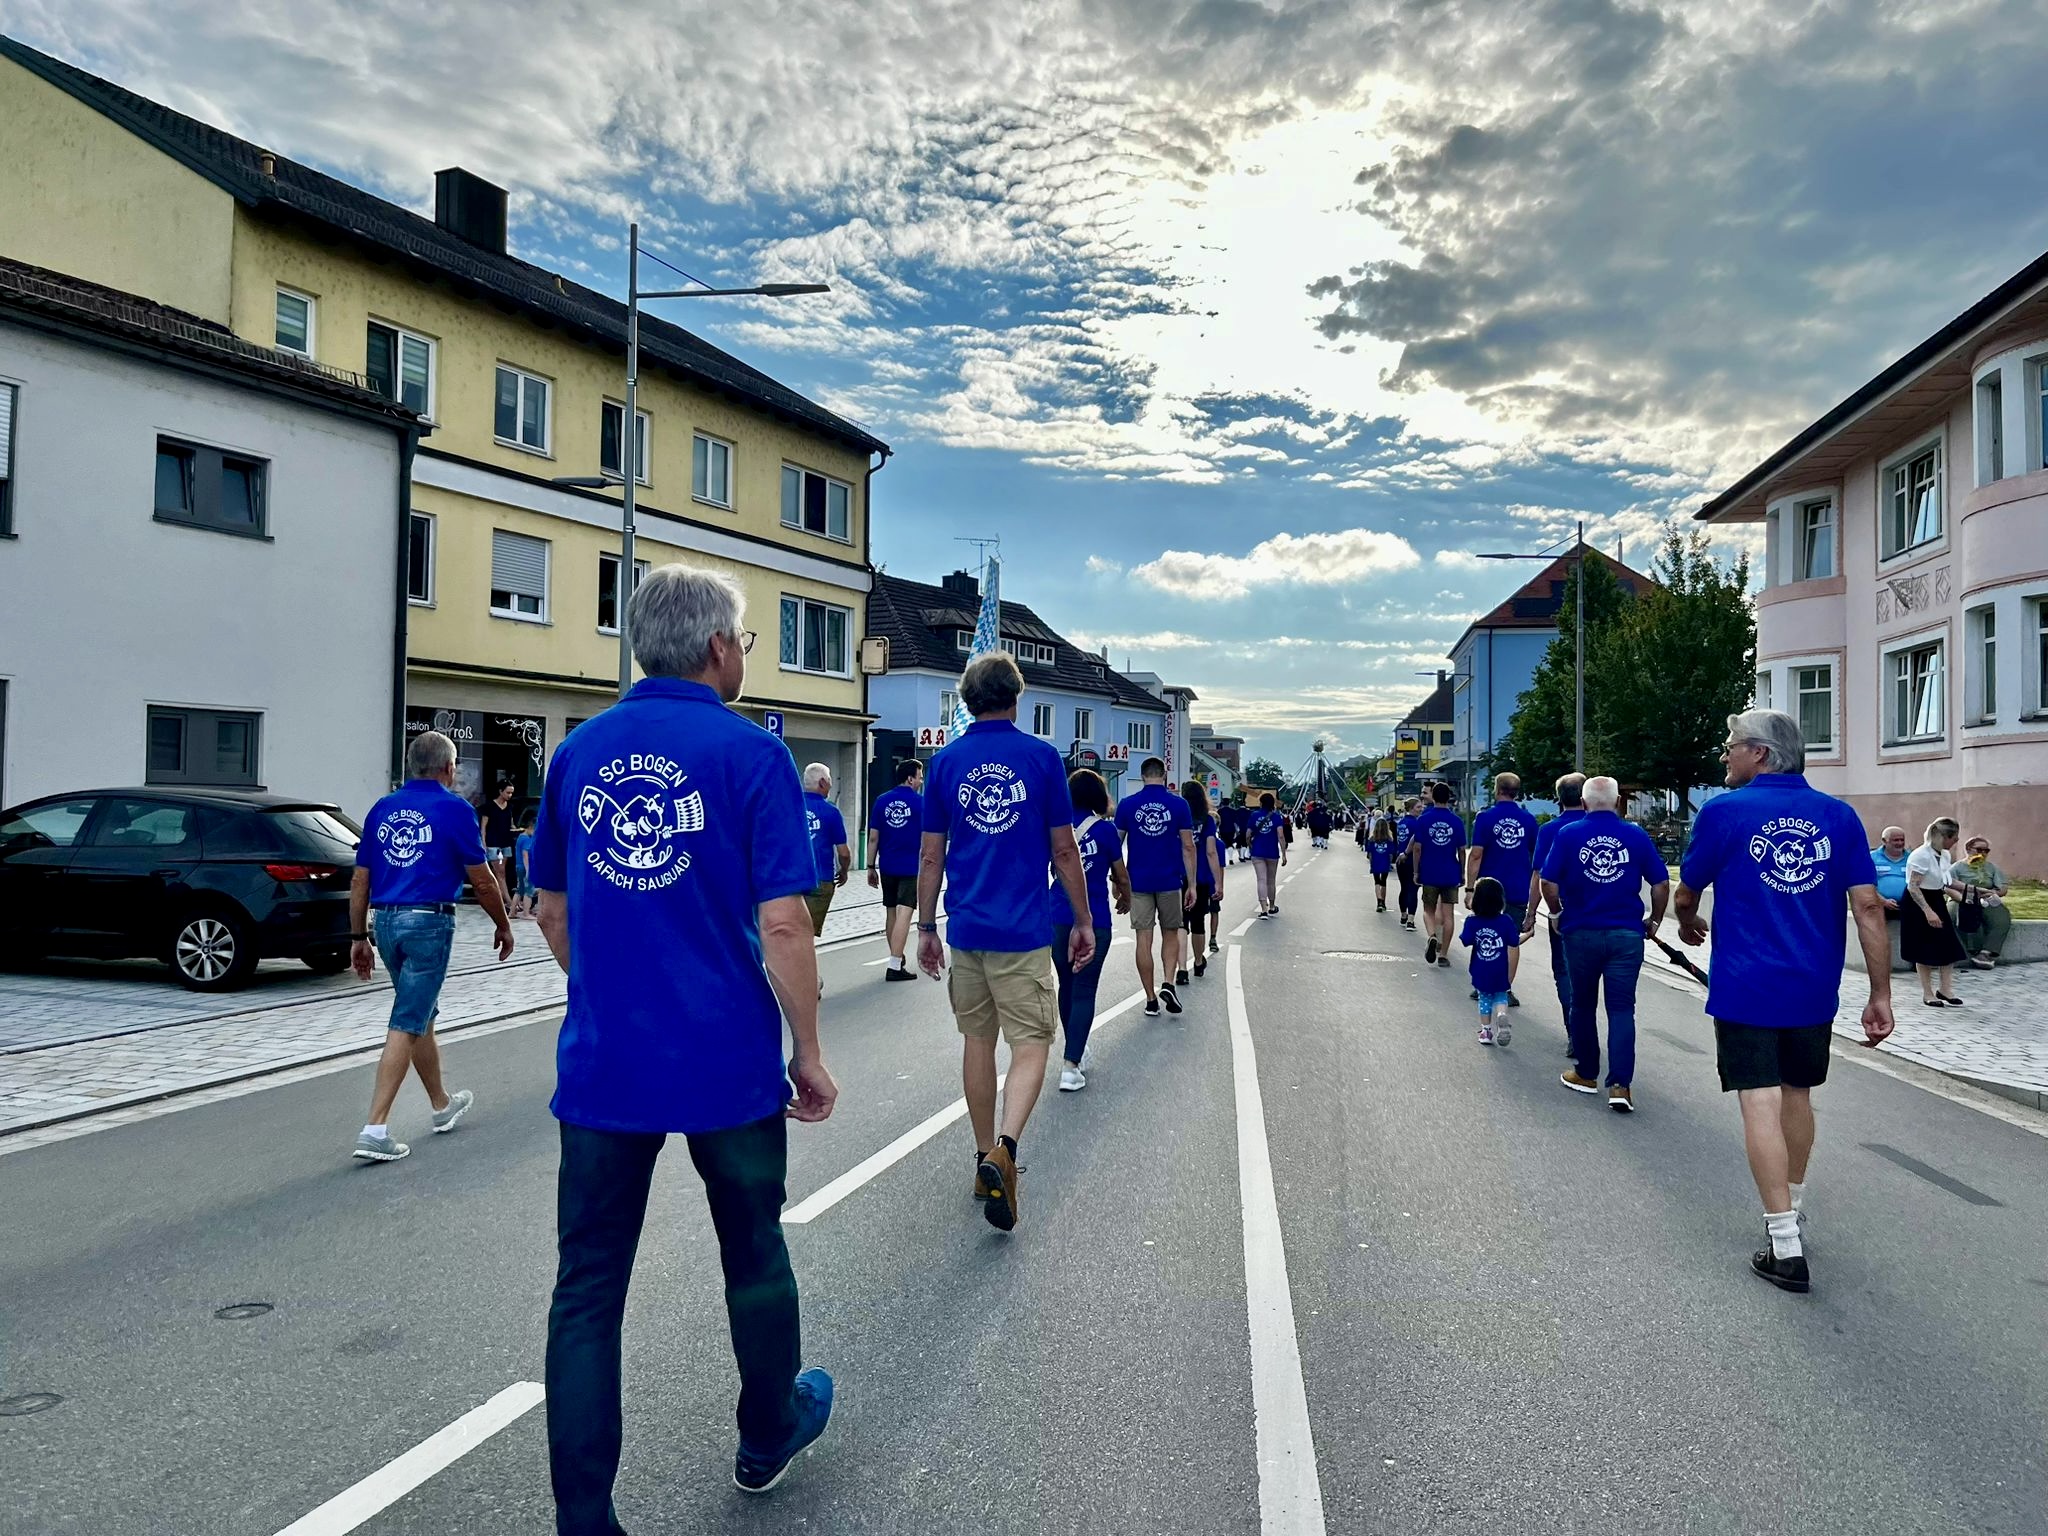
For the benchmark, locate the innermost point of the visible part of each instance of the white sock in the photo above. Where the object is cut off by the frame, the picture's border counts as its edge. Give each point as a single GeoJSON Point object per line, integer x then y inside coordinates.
{"type": "Point", "coordinates": [375, 1130]}
{"type": "Point", "coordinates": [1784, 1229]}
{"type": "Point", "coordinates": [896, 963]}
{"type": "Point", "coordinates": [1798, 1197]}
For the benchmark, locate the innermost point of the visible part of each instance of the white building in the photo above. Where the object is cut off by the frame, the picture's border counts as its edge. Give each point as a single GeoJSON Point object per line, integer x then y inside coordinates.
{"type": "Point", "coordinates": [201, 560]}
{"type": "Point", "coordinates": [1179, 731]}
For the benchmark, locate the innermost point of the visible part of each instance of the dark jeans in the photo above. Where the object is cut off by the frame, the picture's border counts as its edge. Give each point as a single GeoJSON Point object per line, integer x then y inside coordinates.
{"type": "Point", "coordinates": [1604, 960]}
{"type": "Point", "coordinates": [601, 1201]}
{"type": "Point", "coordinates": [1409, 890]}
{"type": "Point", "coordinates": [1560, 973]}
{"type": "Point", "coordinates": [1077, 990]}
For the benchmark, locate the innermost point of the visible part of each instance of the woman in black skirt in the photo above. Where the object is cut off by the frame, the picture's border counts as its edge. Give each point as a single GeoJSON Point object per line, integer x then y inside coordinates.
{"type": "Point", "coordinates": [1927, 929]}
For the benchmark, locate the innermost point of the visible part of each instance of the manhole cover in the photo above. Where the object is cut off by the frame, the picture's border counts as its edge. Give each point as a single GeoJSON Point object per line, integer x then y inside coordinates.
{"type": "Point", "coordinates": [242, 1310]}
{"type": "Point", "coordinates": [26, 1403]}
{"type": "Point", "coordinates": [1358, 954]}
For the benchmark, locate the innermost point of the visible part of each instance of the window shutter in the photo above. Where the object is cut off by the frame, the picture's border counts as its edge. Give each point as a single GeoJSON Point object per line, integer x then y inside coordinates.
{"type": "Point", "coordinates": [519, 564]}
{"type": "Point", "coordinates": [6, 428]}
{"type": "Point", "coordinates": [380, 364]}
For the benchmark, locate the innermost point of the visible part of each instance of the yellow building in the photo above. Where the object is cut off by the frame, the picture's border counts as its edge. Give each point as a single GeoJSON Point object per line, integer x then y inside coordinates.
{"type": "Point", "coordinates": [510, 587]}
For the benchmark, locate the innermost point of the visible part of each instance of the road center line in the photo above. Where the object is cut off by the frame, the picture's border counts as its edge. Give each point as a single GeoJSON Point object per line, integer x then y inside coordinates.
{"type": "Point", "coordinates": [1290, 1491]}
{"type": "Point", "coordinates": [393, 1481]}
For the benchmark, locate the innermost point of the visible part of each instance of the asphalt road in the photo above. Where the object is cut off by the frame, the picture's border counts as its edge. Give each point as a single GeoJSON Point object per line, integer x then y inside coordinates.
{"type": "Point", "coordinates": [1515, 1311]}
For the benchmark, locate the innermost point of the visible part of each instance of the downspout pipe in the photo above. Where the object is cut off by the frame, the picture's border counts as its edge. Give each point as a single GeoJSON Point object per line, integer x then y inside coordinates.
{"type": "Point", "coordinates": [867, 540]}
{"type": "Point", "coordinates": [408, 445]}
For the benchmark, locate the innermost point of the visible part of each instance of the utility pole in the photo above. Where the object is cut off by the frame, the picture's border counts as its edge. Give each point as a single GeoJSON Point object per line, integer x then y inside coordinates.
{"type": "Point", "coordinates": [1579, 654]}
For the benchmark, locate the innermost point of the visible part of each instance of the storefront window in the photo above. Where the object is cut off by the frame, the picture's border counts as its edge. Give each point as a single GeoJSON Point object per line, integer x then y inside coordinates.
{"type": "Point", "coordinates": [490, 749]}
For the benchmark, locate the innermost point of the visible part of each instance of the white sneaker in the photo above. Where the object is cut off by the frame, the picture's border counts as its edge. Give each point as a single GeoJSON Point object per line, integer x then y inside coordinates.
{"type": "Point", "coordinates": [1072, 1080]}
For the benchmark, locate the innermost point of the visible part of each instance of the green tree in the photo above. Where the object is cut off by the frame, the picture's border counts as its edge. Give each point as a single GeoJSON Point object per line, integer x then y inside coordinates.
{"type": "Point", "coordinates": [1265, 773]}
{"type": "Point", "coordinates": [1541, 736]}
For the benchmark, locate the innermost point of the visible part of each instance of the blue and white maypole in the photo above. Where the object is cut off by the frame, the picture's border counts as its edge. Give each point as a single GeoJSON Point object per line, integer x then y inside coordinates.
{"type": "Point", "coordinates": [988, 631]}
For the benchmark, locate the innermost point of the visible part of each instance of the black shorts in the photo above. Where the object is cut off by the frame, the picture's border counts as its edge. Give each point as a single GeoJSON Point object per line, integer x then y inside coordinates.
{"type": "Point", "coordinates": [899, 890]}
{"type": "Point", "coordinates": [1205, 901]}
{"type": "Point", "coordinates": [1751, 1056]}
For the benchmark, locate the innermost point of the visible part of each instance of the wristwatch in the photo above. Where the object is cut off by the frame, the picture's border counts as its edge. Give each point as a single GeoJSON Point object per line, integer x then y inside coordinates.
{"type": "Point", "coordinates": [359, 938]}
{"type": "Point", "coordinates": [927, 927]}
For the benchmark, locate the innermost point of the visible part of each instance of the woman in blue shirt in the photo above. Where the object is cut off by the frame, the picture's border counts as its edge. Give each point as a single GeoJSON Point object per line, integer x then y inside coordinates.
{"type": "Point", "coordinates": [1102, 868]}
{"type": "Point", "coordinates": [1267, 827]}
{"type": "Point", "coordinates": [1208, 874]}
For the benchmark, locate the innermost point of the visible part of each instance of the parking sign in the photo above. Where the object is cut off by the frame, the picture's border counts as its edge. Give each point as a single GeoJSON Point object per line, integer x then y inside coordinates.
{"type": "Point", "coordinates": [772, 719]}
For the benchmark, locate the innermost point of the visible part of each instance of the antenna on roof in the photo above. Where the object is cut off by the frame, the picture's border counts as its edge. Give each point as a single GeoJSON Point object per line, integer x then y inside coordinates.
{"type": "Point", "coordinates": [982, 547]}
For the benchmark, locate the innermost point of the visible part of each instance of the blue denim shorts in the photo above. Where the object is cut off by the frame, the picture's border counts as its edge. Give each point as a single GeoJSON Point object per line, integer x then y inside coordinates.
{"type": "Point", "coordinates": [415, 948]}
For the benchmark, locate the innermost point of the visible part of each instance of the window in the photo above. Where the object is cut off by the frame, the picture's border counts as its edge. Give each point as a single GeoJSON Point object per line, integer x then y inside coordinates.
{"type": "Point", "coordinates": [400, 367]}
{"type": "Point", "coordinates": [814, 636]}
{"type": "Point", "coordinates": [963, 640]}
{"type": "Point", "coordinates": [1032, 651]}
{"type": "Point", "coordinates": [949, 704]}
{"type": "Point", "coordinates": [1041, 720]}
{"type": "Point", "coordinates": [1914, 694]}
{"type": "Point", "coordinates": [419, 559]}
{"type": "Point", "coordinates": [1762, 697]}
{"type": "Point", "coordinates": [201, 746]}
{"type": "Point", "coordinates": [209, 489]}
{"type": "Point", "coordinates": [1813, 699]}
{"type": "Point", "coordinates": [1990, 428]}
{"type": "Point", "coordinates": [519, 576]}
{"type": "Point", "coordinates": [1980, 628]}
{"type": "Point", "coordinates": [1816, 539]}
{"type": "Point", "coordinates": [522, 410]}
{"type": "Point", "coordinates": [294, 322]}
{"type": "Point", "coordinates": [1449, 737]}
{"type": "Point", "coordinates": [1138, 735]}
{"type": "Point", "coordinates": [1084, 725]}
{"type": "Point", "coordinates": [8, 396]}
{"type": "Point", "coordinates": [816, 504]}
{"type": "Point", "coordinates": [1911, 514]}
{"type": "Point", "coordinates": [2039, 611]}
{"type": "Point", "coordinates": [711, 470]}
{"type": "Point", "coordinates": [2038, 369]}
{"type": "Point", "coordinates": [608, 590]}
{"type": "Point", "coordinates": [128, 823]}
{"type": "Point", "coordinates": [46, 826]}
{"type": "Point", "coordinates": [609, 430]}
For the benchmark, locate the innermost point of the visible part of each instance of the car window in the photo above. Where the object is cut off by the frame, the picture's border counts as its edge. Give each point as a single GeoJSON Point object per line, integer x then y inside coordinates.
{"type": "Point", "coordinates": [316, 833]}
{"type": "Point", "coordinates": [157, 825]}
{"type": "Point", "coordinates": [55, 825]}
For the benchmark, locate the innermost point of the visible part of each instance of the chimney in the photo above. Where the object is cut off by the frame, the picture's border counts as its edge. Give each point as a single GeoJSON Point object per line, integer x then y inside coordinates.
{"type": "Point", "coordinates": [470, 208]}
{"type": "Point", "coordinates": [1442, 677]}
{"type": "Point", "coordinates": [963, 584]}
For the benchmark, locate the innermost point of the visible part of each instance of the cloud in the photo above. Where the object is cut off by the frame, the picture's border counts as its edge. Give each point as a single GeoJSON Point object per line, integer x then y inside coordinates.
{"type": "Point", "coordinates": [1095, 565]}
{"type": "Point", "coordinates": [1459, 560]}
{"type": "Point", "coordinates": [1310, 559]}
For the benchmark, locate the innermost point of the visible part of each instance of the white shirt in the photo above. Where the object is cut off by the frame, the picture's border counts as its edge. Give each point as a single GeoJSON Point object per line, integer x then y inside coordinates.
{"type": "Point", "coordinates": [1927, 867]}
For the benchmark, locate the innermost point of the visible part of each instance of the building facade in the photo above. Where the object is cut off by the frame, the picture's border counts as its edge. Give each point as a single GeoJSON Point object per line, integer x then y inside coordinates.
{"type": "Point", "coordinates": [518, 374]}
{"type": "Point", "coordinates": [1904, 614]}
{"type": "Point", "coordinates": [1177, 730]}
{"type": "Point", "coordinates": [238, 510]}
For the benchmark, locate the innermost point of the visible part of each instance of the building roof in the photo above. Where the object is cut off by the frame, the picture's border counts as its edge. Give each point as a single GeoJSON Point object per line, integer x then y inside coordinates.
{"type": "Point", "coordinates": [1440, 707]}
{"type": "Point", "coordinates": [260, 179]}
{"type": "Point", "coordinates": [1535, 604]}
{"type": "Point", "coordinates": [920, 619]}
{"type": "Point", "coordinates": [56, 300]}
{"type": "Point", "coordinates": [1889, 406]}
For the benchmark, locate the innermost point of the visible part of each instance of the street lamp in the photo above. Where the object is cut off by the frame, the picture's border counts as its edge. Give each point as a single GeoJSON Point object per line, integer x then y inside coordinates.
{"type": "Point", "coordinates": [1466, 761]}
{"type": "Point", "coordinates": [1578, 637]}
{"type": "Point", "coordinates": [629, 434]}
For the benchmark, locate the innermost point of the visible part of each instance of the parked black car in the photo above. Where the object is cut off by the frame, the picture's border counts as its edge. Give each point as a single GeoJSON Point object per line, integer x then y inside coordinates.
{"type": "Point", "coordinates": [207, 880]}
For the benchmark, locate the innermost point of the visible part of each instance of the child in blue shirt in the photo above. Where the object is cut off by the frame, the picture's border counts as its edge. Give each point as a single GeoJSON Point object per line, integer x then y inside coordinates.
{"type": "Point", "coordinates": [523, 895]}
{"type": "Point", "coordinates": [1381, 851]}
{"type": "Point", "coordinates": [1495, 940]}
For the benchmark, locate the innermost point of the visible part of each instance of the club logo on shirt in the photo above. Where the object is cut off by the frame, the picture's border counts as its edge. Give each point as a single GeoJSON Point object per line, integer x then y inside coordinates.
{"type": "Point", "coordinates": [896, 815]}
{"type": "Point", "coordinates": [811, 819]}
{"type": "Point", "coordinates": [1509, 833]}
{"type": "Point", "coordinates": [1488, 945]}
{"type": "Point", "coordinates": [635, 814]}
{"type": "Point", "coordinates": [404, 836]}
{"type": "Point", "coordinates": [1605, 858]}
{"type": "Point", "coordinates": [1791, 854]}
{"type": "Point", "coordinates": [1440, 833]}
{"type": "Point", "coordinates": [990, 796]}
{"type": "Point", "coordinates": [1153, 819]}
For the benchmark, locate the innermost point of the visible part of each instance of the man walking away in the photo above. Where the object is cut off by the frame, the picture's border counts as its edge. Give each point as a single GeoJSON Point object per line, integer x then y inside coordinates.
{"type": "Point", "coordinates": [1436, 837]}
{"type": "Point", "coordinates": [1503, 849]}
{"type": "Point", "coordinates": [419, 844]}
{"type": "Point", "coordinates": [996, 816]}
{"type": "Point", "coordinates": [672, 859]}
{"type": "Point", "coordinates": [1404, 859]}
{"type": "Point", "coordinates": [1786, 863]}
{"type": "Point", "coordinates": [1569, 790]}
{"type": "Point", "coordinates": [828, 844]}
{"type": "Point", "coordinates": [1594, 873]}
{"type": "Point", "coordinates": [895, 830]}
{"type": "Point", "coordinates": [1159, 848]}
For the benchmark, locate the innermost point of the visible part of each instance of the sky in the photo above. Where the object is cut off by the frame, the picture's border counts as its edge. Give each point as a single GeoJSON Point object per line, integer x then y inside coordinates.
{"type": "Point", "coordinates": [1244, 326]}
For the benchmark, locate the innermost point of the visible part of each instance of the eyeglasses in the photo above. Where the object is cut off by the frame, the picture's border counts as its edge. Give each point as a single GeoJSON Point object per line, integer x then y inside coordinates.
{"type": "Point", "coordinates": [746, 642]}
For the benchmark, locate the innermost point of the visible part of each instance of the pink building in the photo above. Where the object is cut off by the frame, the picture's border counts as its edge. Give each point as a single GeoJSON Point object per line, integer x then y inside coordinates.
{"type": "Point", "coordinates": [1904, 615]}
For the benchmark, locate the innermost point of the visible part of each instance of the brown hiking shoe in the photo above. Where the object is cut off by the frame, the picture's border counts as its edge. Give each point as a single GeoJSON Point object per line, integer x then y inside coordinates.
{"type": "Point", "coordinates": [998, 1172]}
{"type": "Point", "coordinates": [1620, 1099]}
{"type": "Point", "coordinates": [981, 1184]}
{"type": "Point", "coordinates": [1578, 1084]}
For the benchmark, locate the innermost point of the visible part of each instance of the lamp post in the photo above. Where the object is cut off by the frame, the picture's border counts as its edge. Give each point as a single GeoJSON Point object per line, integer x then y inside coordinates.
{"type": "Point", "coordinates": [1578, 637]}
{"type": "Point", "coordinates": [629, 431]}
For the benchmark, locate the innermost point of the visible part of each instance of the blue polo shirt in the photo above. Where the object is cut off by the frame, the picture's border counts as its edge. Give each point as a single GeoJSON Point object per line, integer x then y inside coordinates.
{"type": "Point", "coordinates": [1782, 858]}
{"type": "Point", "coordinates": [898, 820]}
{"type": "Point", "coordinates": [1600, 864]}
{"type": "Point", "coordinates": [1547, 833]}
{"type": "Point", "coordinates": [1152, 821]}
{"type": "Point", "coordinates": [996, 795]}
{"type": "Point", "coordinates": [1490, 939]}
{"type": "Point", "coordinates": [1208, 853]}
{"type": "Point", "coordinates": [1505, 834]}
{"type": "Point", "coordinates": [1100, 847]}
{"type": "Point", "coordinates": [1381, 854]}
{"type": "Point", "coordinates": [416, 843]}
{"type": "Point", "coordinates": [1264, 827]}
{"type": "Point", "coordinates": [1441, 832]}
{"type": "Point", "coordinates": [667, 821]}
{"type": "Point", "coordinates": [827, 830]}
{"type": "Point", "coordinates": [1891, 873]}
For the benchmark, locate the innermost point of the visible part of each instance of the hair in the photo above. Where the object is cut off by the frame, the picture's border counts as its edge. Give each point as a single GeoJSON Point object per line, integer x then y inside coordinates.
{"type": "Point", "coordinates": [1776, 732]}
{"type": "Point", "coordinates": [1977, 837]}
{"type": "Point", "coordinates": [991, 684]}
{"type": "Point", "coordinates": [814, 775]}
{"type": "Point", "coordinates": [1152, 768]}
{"type": "Point", "coordinates": [429, 755]}
{"type": "Point", "coordinates": [1945, 825]}
{"type": "Point", "coordinates": [1411, 802]}
{"type": "Point", "coordinates": [1601, 793]}
{"type": "Point", "coordinates": [503, 785]}
{"type": "Point", "coordinates": [1197, 798]}
{"type": "Point", "coordinates": [1440, 792]}
{"type": "Point", "coordinates": [1888, 831]}
{"type": "Point", "coordinates": [1266, 801]}
{"type": "Point", "coordinates": [674, 613]}
{"type": "Point", "coordinates": [907, 769]}
{"type": "Point", "coordinates": [1488, 900]}
{"type": "Point", "coordinates": [1507, 786]}
{"type": "Point", "coordinates": [1571, 790]}
{"type": "Point", "coordinates": [1383, 831]}
{"type": "Point", "coordinates": [1088, 792]}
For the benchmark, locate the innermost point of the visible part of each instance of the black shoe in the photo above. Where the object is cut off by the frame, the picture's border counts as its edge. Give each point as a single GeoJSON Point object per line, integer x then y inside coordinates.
{"type": "Point", "coordinates": [1151, 1007]}
{"type": "Point", "coordinates": [1181, 977]}
{"type": "Point", "coordinates": [1429, 955]}
{"type": "Point", "coordinates": [1514, 1001]}
{"type": "Point", "coordinates": [892, 974]}
{"type": "Point", "coordinates": [1169, 997]}
{"type": "Point", "coordinates": [1444, 961]}
{"type": "Point", "coordinates": [1785, 1274]}
{"type": "Point", "coordinates": [1215, 948]}
{"type": "Point", "coordinates": [1474, 994]}
{"type": "Point", "coordinates": [1201, 968]}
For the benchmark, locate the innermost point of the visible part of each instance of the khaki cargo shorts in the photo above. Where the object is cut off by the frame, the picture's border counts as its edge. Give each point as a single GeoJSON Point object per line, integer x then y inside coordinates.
{"type": "Point", "coordinates": [819, 900]}
{"type": "Point", "coordinates": [1012, 994]}
{"type": "Point", "coordinates": [1167, 908]}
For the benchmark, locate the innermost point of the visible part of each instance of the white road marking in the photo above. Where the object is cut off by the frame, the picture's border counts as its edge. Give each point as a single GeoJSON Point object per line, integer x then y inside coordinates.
{"type": "Point", "coordinates": [823, 1199]}
{"type": "Point", "coordinates": [389, 1483]}
{"type": "Point", "coordinates": [1244, 927]}
{"type": "Point", "coordinates": [1290, 1491]}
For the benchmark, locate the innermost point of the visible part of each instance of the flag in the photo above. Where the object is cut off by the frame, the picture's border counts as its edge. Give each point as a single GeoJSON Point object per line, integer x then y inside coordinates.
{"type": "Point", "coordinates": [988, 631]}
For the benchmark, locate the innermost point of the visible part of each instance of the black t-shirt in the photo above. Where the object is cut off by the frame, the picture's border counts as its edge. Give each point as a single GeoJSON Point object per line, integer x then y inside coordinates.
{"type": "Point", "coordinates": [497, 825]}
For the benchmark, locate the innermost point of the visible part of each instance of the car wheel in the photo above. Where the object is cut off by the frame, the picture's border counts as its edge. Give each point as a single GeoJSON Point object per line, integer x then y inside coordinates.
{"type": "Point", "coordinates": [211, 952]}
{"type": "Point", "coordinates": [326, 962]}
